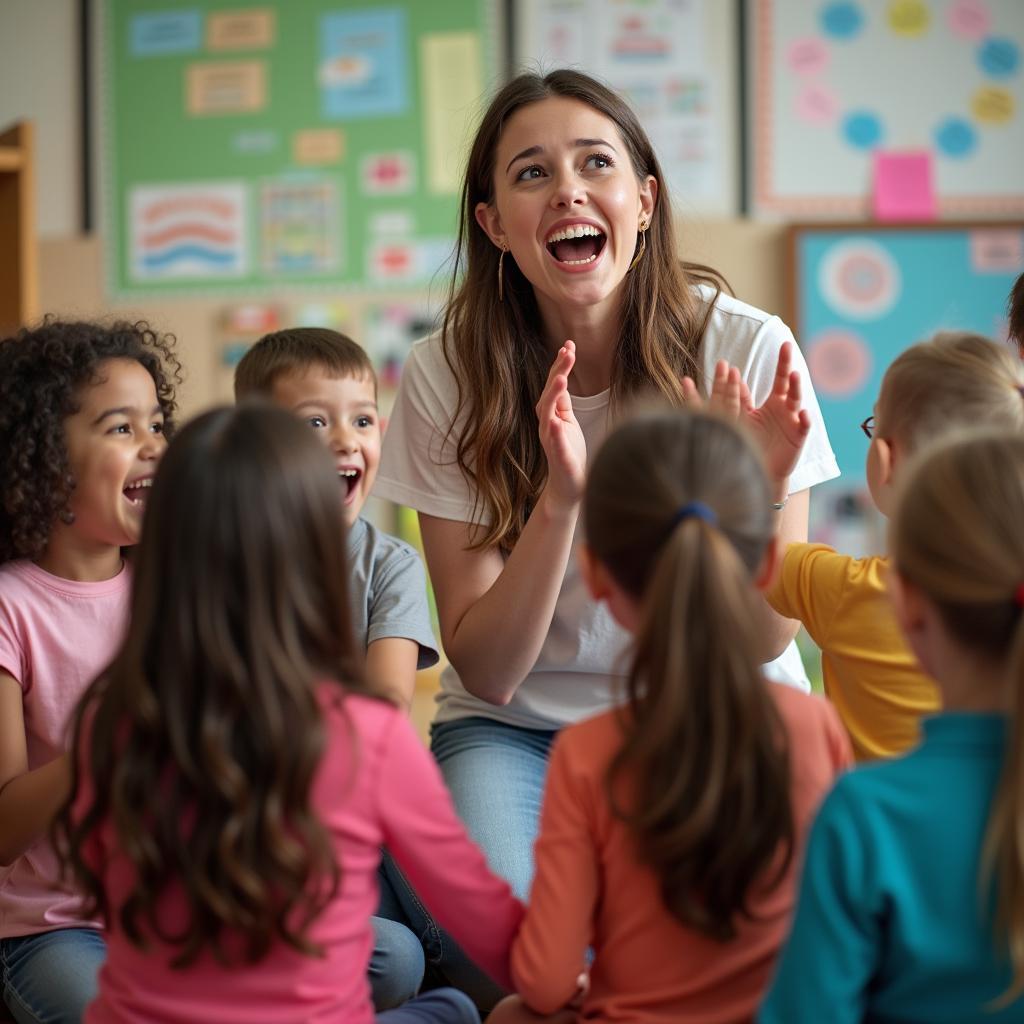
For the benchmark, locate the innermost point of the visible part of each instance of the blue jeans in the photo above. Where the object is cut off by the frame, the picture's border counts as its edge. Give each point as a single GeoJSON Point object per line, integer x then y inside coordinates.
{"type": "Point", "coordinates": [496, 776]}
{"type": "Point", "coordinates": [396, 963]}
{"type": "Point", "coordinates": [50, 978]}
{"type": "Point", "coordinates": [442, 1006]}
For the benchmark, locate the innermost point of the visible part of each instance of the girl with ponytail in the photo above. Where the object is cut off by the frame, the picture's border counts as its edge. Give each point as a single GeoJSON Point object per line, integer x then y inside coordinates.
{"type": "Point", "coordinates": [912, 900]}
{"type": "Point", "coordinates": [672, 824]}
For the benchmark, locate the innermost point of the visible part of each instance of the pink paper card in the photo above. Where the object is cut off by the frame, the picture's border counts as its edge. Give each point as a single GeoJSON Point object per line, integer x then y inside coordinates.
{"type": "Point", "coordinates": [903, 186]}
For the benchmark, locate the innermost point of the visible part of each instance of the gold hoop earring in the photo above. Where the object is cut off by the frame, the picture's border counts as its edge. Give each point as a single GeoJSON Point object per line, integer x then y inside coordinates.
{"type": "Point", "coordinates": [643, 245]}
{"type": "Point", "coordinates": [501, 273]}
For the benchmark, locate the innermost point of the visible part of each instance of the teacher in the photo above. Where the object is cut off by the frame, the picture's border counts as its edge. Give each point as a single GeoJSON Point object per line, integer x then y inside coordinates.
{"type": "Point", "coordinates": [568, 298]}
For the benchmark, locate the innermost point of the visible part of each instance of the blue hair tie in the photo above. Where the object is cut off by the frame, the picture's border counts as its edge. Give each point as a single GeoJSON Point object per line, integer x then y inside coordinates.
{"type": "Point", "coordinates": [696, 510]}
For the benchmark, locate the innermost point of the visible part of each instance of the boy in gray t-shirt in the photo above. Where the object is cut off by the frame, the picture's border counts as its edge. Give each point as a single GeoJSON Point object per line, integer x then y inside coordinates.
{"type": "Point", "coordinates": [327, 380]}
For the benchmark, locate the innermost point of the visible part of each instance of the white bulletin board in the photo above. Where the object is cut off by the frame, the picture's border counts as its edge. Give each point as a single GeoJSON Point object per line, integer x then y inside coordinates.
{"type": "Point", "coordinates": [834, 84]}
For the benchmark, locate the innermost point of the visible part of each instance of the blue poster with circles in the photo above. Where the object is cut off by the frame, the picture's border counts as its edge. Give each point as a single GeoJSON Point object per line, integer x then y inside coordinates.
{"type": "Point", "coordinates": [836, 84]}
{"type": "Point", "coordinates": [863, 296]}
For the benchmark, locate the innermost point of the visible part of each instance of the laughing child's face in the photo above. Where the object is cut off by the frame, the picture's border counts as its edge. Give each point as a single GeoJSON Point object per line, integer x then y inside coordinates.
{"type": "Point", "coordinates": [343, 412]}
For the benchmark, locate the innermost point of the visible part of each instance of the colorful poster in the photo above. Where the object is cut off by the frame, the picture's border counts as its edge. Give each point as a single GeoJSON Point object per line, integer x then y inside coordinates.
{"type": "Point", "coordinates": [228, 87]}
{"type": "Point", "coordinates": [300, 225]}
{"type": "Point", "coordinates": [841, 87]}
{"type": "Point", "coordinates": [363, 64]}
{"type": "Point", "coordinates": [188, 232]}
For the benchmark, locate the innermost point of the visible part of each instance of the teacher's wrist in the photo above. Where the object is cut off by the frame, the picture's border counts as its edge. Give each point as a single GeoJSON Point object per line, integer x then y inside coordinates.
{"type": "Point", "coordinates": [557, 509]}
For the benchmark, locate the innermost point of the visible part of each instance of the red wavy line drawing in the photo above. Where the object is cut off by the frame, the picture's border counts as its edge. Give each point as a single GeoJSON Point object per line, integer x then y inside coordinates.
{"type": "Point", "coordinates": [207, 204]}
{"type": "Point", "coordinates": [191, 230]}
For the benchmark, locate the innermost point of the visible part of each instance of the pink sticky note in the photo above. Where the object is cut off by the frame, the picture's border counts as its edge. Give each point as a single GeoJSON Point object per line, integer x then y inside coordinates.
{"type": "Point", "coordinates": [903, 186]}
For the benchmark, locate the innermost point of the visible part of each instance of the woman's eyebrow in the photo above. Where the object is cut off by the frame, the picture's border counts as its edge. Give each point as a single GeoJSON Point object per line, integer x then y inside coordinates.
{"type": "Point", "coordinates": [579, 144]}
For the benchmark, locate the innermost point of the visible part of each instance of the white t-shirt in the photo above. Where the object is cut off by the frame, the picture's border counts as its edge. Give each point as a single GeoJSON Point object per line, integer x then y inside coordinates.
{"type": "Point", "coordinates": [582, 658]}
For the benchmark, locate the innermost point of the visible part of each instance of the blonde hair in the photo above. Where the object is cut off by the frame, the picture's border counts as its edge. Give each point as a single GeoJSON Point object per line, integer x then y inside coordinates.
{"type": "Point", "coordinates": [958, 537]}
{"type": "Point", "coordinates": [704, 756]}
{"type": "Point", "coordinates": [956, 379]}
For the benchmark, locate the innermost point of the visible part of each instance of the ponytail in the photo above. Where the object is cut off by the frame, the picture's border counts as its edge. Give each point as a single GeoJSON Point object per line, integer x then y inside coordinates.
{"type": "Point", "coordinates": [678, 510]}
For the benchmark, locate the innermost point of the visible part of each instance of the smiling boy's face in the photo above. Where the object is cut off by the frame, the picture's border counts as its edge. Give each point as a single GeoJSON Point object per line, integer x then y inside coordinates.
{"type": "Point", "coordinates": [343, 412]}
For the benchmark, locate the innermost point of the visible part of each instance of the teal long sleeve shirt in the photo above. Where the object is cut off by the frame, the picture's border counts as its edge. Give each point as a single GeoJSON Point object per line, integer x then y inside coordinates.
{"type": "Point", "coordinates": [891, 925]}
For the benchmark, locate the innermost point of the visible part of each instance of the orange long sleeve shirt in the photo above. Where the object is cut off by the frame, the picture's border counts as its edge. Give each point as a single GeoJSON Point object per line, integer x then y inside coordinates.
{"type": "Point", "coordinates": [590, 891]}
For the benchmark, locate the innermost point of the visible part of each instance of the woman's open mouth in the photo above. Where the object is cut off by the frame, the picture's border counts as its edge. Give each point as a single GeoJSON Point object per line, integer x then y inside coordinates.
{"type": "Point", "coordinates": [576, 245]}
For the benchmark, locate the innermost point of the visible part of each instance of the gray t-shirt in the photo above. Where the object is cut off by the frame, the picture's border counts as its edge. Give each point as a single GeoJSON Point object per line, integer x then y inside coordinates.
{"type": "Point", "coordinates": [389, 591]}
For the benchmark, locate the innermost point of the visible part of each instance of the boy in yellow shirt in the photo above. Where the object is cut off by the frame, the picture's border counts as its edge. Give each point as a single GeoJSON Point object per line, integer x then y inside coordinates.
{"type": "Point", "coordinates": [954, 381]}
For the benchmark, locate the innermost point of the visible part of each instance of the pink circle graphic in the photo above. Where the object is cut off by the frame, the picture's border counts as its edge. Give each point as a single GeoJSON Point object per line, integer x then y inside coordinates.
{"type": "Point", "coordinates": [839, 362]}
{"type": "Point", "coordinates": [807, 56]}
{"type": "Point", "coordinates": [970, 19]}
{"type": "Point", "coordinates": [859, 279]}
{"type": "Point", "coordinates": [816, 104]}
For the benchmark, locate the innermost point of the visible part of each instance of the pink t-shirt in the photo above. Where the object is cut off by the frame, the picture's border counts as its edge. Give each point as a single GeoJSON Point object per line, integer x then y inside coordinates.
{"type": "Point", "coordinates": [391, 794]}
{"type": "Point", "coordinates": [56, 635]}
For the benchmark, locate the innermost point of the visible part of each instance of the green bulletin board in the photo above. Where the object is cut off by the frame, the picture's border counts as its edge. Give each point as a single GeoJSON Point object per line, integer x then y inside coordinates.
{"type": "Point", "coordinates": [288, 142]}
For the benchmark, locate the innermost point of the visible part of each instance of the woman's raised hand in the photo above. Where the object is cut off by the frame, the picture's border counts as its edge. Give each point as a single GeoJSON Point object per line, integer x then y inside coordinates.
{"type": "Point", "coordinates": [780, 424]}
{"type": "Point", "coordinates": [560, 434]}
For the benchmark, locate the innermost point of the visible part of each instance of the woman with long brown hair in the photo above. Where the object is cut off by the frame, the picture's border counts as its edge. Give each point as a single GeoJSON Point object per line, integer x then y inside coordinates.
{"type": "Point", "coordinates": [234, 774]}
{"type": "Point", "coordinates": [568, 297]}
{"type": "Point", "coordinates": [671, 826]}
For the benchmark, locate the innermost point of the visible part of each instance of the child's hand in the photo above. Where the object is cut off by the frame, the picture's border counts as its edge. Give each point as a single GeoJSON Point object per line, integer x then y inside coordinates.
{"type": "Point", "coordinates": [781, 425]}
{"type": "Point", "coordinates": [560, 435]}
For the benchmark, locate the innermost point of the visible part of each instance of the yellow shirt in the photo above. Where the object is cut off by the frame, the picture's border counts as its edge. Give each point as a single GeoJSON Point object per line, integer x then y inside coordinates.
{"type": "Point", "coordinates": [869, 672]}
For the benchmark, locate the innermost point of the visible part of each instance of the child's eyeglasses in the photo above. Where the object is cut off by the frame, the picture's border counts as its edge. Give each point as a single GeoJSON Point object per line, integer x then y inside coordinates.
{"type": "Point", "coordinates": [868, 426]}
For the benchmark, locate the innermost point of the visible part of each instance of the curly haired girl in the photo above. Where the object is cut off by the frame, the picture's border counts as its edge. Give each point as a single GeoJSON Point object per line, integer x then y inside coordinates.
{"type": "Point", "coordinates": [84, 410]}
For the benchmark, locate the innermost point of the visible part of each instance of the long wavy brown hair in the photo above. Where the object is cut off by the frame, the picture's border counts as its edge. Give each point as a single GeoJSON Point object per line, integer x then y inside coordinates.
{"type": "Point", "coordinates": [197, 747]}
{"type": "Point", "coordinates": [496, 349]}
{"type": "Point", "coordinates": [702, 777]}
{"type": "Point", "coordinates": [956, 535]}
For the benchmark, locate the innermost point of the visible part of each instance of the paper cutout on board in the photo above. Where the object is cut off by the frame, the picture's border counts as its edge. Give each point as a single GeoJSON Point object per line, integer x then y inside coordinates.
{"type": "Point", "coordinates": [393, 224]}
{"type": "Point", "coordinates": [842, 21]}
{"type": "Point", "coordinates": [969, 19]}
{"type": "Point", "coordinates": [255, 141]}
{"type": "Point", "coordinates": [997, 251]}
{"type": "Point", "coordinates": [816, 104]}
{"type": "Point", "coordinates": [388, 174]}
{"type": "Point", "coordinates": [999, 58]}
{"type": "Point", "coordinates": [226, 87]}
{"type": "Point", "coordinates": [153, 35]}
{"type": "Point", "coordinates": [807, 56]}
{"type": "Point", "coordinates": [839, 362]}
{"type": "Point", "coordinates": [955, 137]}
{"type": "Point", "coordinates": [407, 261]}
{"type": "Point", "coordinates": [181, 232]}
{"type": "Point", "coordinates": [451, 79]}
{"type": "Point", "coordinates": [862, 129]}
{"type": "Point", "coordinates": [363, 62]}
{"type": "Point", "coordinates": [903, 186]}
{"type": "Point", "coordinates": [240, 30]}
{"type": "Point", "coordinates": [318, 147]}
{"type": "Point", "coordinates": [909, 18]}
{"type": "Point", "coordinates": [859, 279]}
{"type": "Point", "coordinates": [300, 223]}
{"type": "Point", "coordinates": [993, 105]}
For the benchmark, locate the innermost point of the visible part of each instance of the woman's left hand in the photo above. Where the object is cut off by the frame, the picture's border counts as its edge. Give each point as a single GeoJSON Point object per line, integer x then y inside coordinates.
{"type": "Point", "coordinates": [780, 424]}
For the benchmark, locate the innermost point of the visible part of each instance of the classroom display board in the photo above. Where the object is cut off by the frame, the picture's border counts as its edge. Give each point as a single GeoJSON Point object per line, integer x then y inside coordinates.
{"type": "Point", "coordinates": [280, 143]}
{"type": "Point", "coordinates": [673, 60]}
{"type": "Point", "coordinates": [857, 105]}
{"type": "Point", "coordinates": [862, 296]}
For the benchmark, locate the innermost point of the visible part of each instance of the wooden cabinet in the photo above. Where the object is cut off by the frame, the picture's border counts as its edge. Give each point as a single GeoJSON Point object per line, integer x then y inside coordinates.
{"type": "Point", "coordinates": [19, 275]}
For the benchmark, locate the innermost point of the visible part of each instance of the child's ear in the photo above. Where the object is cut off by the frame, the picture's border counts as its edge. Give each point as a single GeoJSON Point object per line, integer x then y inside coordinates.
{"type": "Point", "coordinates": [769, 567]}
{"type": "Point", "coordinates": [886, 455]}
{"type": "Point", "coordinates": [384, 420]}
{"type": "Point", "coordinates": [593, 573]}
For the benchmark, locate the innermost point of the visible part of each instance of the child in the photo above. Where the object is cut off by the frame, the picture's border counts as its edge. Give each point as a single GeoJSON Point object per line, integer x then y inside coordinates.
{"type": "Point", "coordinates": [670, 827]}
{"type": "Point", "coordinates": [235, 774]}
{"type": "Point", "coordinates": [327, 379]}
{"type": "Point", "coordinates": [1015, 308]}
{"type": "Point", "coordinates": [84, 410]}
{"type": "Point", "coordinates": [911, 905]}
{"type": "Point", "coordinates": [956, 379]}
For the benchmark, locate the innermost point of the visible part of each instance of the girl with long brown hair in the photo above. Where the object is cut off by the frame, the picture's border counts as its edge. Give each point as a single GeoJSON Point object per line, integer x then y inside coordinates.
{"type": "Point", "coordinates": [568, 297]}
{"type": "Point", "coordinates": [911, 905]}
{"type": "Point", "coordinates": [234, 774]}
{"type": "Point", "coordinates": [671, 826]}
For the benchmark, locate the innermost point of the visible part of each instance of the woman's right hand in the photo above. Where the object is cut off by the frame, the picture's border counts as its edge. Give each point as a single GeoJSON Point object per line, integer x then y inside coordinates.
{"type": "Point", "coordinates": [560, 434]}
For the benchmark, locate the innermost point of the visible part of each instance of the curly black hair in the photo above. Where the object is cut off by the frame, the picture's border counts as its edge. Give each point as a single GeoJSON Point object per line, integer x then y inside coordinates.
{"type": "Point", "coordinates": [42, 370]}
